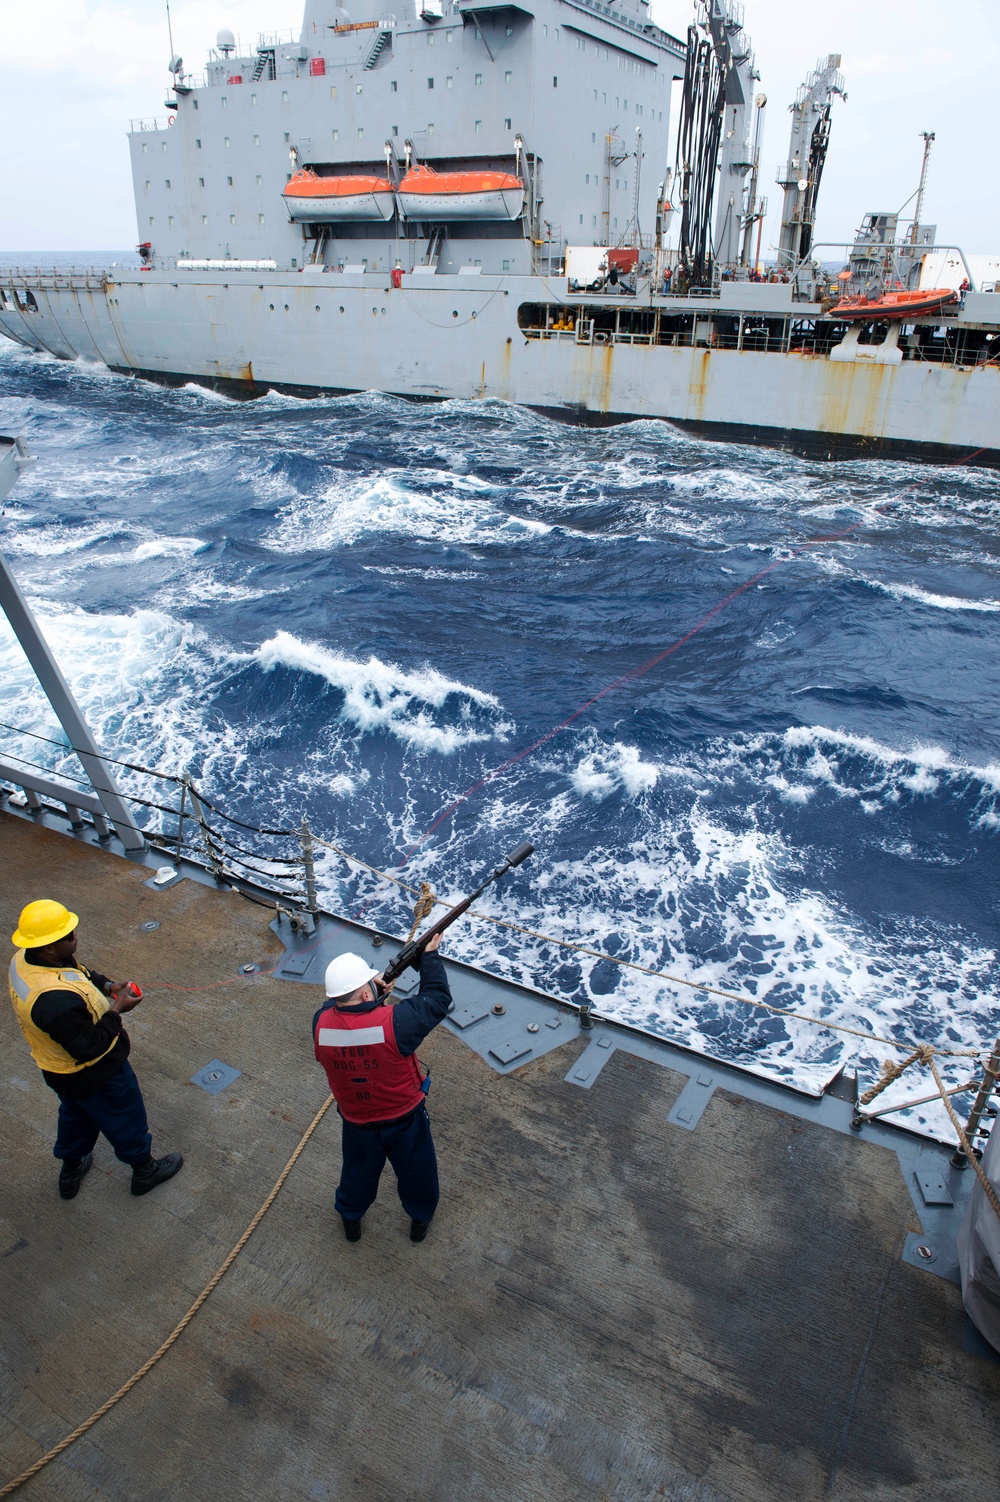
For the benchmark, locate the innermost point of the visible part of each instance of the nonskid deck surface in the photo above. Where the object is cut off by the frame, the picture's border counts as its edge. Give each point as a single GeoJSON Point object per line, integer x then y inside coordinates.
{"type": "Point", "coordinates": [606, 1307]}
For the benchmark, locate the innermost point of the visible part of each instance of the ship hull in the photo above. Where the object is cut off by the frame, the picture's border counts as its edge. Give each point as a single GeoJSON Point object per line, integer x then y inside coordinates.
{"type": "Point", "coordinates": [500, 203]}
{"type": "Point", "coordinates": [343, 209]}
{"type": "Point", "coordinates": [450, 339]}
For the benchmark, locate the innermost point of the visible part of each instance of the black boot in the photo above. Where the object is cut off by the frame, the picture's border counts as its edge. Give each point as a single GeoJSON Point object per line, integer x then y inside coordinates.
{"type": "Point", "coordinates": [418, 1229]}
{"type": "Point", "coordinates": [71, 1175]}
{"type": "Point", "coordinates": [352, 1229]}
{"type": "Point", "coordinates": [146, 1176]}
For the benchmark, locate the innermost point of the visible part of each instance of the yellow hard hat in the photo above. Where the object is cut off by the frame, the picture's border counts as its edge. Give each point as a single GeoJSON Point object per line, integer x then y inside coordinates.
{"type": "Point", "coordinates": [43, 923]}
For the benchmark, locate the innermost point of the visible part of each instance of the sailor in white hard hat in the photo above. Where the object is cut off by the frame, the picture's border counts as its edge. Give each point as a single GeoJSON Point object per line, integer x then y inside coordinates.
{"type": "Point", "coordinates": [368, 1049]}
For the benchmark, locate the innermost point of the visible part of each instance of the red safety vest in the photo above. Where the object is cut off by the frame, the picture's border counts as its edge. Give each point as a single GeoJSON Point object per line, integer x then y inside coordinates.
{"type": "Point", "coordinates": [369, 1078]}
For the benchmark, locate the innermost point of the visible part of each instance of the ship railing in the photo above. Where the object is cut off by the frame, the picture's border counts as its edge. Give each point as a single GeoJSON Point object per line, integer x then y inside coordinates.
{"type": "Point", "coordinates": [893, 260]}
{"type": "Point", "coordinates": [153, 123]}
{"type": "Point", "coordinates": [177, 819]}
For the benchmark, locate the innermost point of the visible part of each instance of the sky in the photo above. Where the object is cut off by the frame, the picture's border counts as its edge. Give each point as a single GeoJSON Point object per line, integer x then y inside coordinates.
{"type": "Point", "coordinates": [71, 85]}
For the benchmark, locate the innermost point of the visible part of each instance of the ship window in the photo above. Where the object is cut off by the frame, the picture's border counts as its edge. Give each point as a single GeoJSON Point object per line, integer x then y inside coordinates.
{"type": "Point", "coordinates": [545, 31]}
{"type": "Point", "coordinates": [358, 88]}
{"type": "Point", "coordinates": [479, 126]}
{"type": "Point", "coordinates": [204, 218]}
{"type": "Point", "coordinates": [361, 132]}
{"type": "Point", "coordinates": [333, 91]}
{"type": "Point", "coordinates": [152, 221]}
{"type": "Point", "coordinates": [430, 129]}
{"type": "Point", "coordinates": [163, 145]}
{"type": "Point", "coordinates": [256, 140]}
{"type": "Point", "coordinates": [430, 83]}
{"type": "Point", "coordinates": [260, 218]}
{"type": "Point", "coordinates": [430, 39]}
{"type": "Point", "coordinates": [593, 133]}
{"type": "Point", "coordinates": [201, 182]}
{"type": "Point", "coordinates": [449, 37]}
{"type": "Point", "coordinates": [223, 101]}
{"type": "Point", "coordinates": [593, 220]}
{"type": "Point", "coordinates": [508, 76]}
{"type": "Point", "coordinates": [448, 81]}
{"type": "Point", "coordinates": [336, 135]}
{"type": "Point", "coordinates": [199, 143]}
{"type": "Point", "coordinates": [166, 182]}
{"type": "Point", "coordinates": [555, 82]}
{"type": "Point", "coordinates": [479, 79]}
{"type": "Point", "coordinates": [588, 177]}
{"type": "Point", "coordinates": [253, 100]}
{"type": "Point", "coordinates": [170, 220]}
{"type": "Point", "coordinates": [225, 140]}
{"type": "Point", "coordinates": [393, 87]}
{"type": "Point", "coordinates": [395, 130]}
{"type": "Point", "coordinates": [284, 96]}
{"type": "Point", "coordinates": [506, 265]}
{"type": "Point", "coordinates": [508, 30]}
{"type": "Point", "coordinates": [581, 218]}
{"type": "Point", "coordinates": [228, 180]}
{"type": "Point", "coordinates": [287, 136]}
{"type": "Point", "coordinates": [147, 184]}
{"type": "Point", "coordinates": [232, 218]}
{"type": "Point", "coordinates": [506, 124]}
{"type": "Point", "coordinates": [195, 103]}
{"type": "Point", "coordinates": [616, 224]}
{"type": "Point", "coordinates": [260, 181]}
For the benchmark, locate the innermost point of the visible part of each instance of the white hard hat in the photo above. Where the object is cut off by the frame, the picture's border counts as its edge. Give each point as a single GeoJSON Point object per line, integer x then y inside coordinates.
{"type": "Point", "coordinates": [347, 974]}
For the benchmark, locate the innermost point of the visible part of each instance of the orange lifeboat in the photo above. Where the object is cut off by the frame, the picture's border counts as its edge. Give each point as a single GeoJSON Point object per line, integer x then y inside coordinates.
{"type": "Point", "coordinates": [312, 199]}
{"type": "Point", "coordinates": [890, 306]}
{"type": "Point", "coordinates": [433, 196]}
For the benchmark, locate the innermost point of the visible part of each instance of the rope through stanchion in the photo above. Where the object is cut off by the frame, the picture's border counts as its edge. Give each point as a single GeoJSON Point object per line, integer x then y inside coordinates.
{"type": "Point", "coordinates": [966, 1145]}
{"type": "Point", "coordinates": [181, 1325]}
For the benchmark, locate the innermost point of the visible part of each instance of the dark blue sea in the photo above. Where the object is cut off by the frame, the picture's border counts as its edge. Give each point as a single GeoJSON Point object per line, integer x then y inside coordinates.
{"type": "Point", "coordinates": [358, 608]}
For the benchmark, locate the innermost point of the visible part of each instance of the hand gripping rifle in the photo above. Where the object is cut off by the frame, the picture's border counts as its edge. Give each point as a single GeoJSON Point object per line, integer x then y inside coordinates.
{"type": "Point", "coordinates": [410, 953]}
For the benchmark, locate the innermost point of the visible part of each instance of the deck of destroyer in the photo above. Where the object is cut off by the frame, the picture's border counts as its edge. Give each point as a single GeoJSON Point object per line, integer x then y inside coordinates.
{"type": "Point", "coordinates": [608, 1306]}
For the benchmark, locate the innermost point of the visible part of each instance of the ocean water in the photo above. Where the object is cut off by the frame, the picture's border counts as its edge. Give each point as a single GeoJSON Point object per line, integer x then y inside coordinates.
{"type": "Point", "coordinates": [362, 608]}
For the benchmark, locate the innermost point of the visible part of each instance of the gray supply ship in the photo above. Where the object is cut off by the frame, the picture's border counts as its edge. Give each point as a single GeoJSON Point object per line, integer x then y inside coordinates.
{"type": "Point", "coordinates": [472, 199]}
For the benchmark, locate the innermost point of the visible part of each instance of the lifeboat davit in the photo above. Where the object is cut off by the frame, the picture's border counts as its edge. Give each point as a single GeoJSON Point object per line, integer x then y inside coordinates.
{"type": "Point", "coordinates": [327, 200]}
{"type": "Point", "coordinates": [429, 195]}
{"type": "Point", "coordinates": [890, 306]}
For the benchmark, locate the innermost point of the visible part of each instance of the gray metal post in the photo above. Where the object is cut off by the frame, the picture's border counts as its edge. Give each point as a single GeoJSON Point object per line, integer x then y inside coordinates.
{"type": "Point", "coordinates": [54, 685]}
{"type": "Point", "coordinates": [211, 849]}
{"type": "Point", "coordinates": [312, 903]}
{"type": "Point", "coordinates": [991, 1077]}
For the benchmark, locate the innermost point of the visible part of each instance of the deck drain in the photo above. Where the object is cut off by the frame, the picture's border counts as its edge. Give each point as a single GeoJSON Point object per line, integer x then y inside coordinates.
{"type": "Point", "coordinates": [532, 1027]}
{"type": "Point", "coordinates": [499, 1009]}
{"type": "Point", "coordinates": [150, 926]}
{"type": "Point", "coordinates": [249, 969]}
{"type": "Point", "coordinates": [926, 1253]}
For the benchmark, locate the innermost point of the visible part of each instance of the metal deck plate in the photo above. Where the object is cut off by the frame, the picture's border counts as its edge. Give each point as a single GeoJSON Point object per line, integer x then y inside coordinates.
{"type": "Point", "coordinates": [215, 1076]}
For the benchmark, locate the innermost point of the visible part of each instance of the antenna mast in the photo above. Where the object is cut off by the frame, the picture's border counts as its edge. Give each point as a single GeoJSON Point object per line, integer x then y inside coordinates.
{"type": "Point", "coordinates": [928, 139]}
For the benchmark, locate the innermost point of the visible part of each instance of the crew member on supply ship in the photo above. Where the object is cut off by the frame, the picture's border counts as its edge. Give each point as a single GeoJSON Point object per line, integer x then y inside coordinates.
{"type": "Point", "coordinates": [72, 1019]}
{"type": "Point", "coordinates": [368, 1049]}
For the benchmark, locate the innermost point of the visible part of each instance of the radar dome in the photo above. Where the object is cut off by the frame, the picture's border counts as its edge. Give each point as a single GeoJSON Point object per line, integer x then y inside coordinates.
{"type": "Point", "coordinates": [225, 41]}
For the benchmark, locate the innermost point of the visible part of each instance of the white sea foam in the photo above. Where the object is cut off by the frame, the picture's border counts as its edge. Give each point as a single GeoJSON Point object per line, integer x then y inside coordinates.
{"type": "Point", "coordinates": [613, 767]}
{"type": "Point", "coordinates": [383, 696]}
{"type": "Point", "coordinates": [454, 512]}
{"type": "Point", "coordinates": [939, 602]}
{"type": "Point", "coordinates": [169, 547]}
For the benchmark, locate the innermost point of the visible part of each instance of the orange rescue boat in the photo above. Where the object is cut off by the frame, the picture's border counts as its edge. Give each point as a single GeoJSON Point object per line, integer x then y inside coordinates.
{"type": "Point", "coordinates": [312, 199]}
{"type": "Point", "coordinates": [889, 306]}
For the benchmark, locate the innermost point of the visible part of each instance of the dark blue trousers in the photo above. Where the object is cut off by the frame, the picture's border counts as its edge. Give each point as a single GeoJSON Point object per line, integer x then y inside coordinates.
{"type": "Point", "coordinates": [409, 1149]}
{"type": "Point", "coordinates": [117, 1110]}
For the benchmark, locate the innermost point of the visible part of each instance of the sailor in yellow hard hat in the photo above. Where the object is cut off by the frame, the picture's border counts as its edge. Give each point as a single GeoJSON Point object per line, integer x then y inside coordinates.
{"type": "Point", "coordinates": [72, 1019]}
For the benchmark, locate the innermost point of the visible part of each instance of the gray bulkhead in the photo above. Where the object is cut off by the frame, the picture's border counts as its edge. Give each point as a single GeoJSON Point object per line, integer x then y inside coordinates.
{"type": "Point", "coordinates": [563, 76]}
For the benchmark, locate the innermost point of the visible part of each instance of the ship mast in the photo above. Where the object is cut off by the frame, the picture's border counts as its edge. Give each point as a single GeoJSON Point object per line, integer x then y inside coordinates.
{"type": "Point", "coordinates": [928, 137]}
{"type": "Point", "coordinates": [807, 149]}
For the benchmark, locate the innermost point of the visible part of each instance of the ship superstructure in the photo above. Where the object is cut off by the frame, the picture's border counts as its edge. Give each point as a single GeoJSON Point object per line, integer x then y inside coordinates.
{"type": "Point", "coordinates": [475, 200]}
